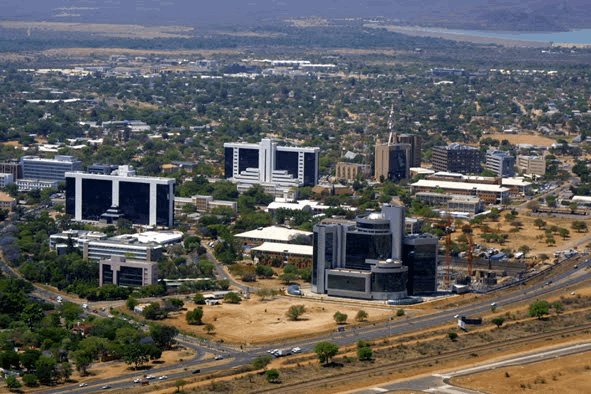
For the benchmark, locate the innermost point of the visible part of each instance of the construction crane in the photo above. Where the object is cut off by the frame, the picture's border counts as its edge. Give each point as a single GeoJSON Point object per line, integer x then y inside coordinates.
{"type": "Point", "coordinates": [467, 230]}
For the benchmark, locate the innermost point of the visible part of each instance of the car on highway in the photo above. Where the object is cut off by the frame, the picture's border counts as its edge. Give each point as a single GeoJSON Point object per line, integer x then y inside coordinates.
{"type": "Point", "coordinates": [163, 377]}
{"type": "Point", "coordinates": [218, 357]}
{"type": "Point", "coordinates": [196, 371]}
{"type": "Point", "coordinates": [296, 349]}
{"type": "Point", "coordinates": [83, 385]}
{"type": "Point", "coordinates": [106, 387]}
{"type": "Point", "coordinates": [138, 380]}
{"type": "Point", "coordinates": [150, 377]}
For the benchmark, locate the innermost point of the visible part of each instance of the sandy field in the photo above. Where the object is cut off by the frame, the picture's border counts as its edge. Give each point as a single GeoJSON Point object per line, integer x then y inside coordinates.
{"type": "Point", "coordinates": [528, 233]}
{"type": "Point", "coordinates": [254, 321]}
{"type": "Point", "coordinates": [570, 374]}
{"type": "Point", "coordinates": [522, 138]}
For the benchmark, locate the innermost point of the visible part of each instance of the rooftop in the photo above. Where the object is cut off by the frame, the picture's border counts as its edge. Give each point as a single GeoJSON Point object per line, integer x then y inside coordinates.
{"type": "Point", "coordinates": [274, 247]}
{"type": "Point", "coordinates": [460, 186]}
{"type": "Point", "coordinates": [274, 233]}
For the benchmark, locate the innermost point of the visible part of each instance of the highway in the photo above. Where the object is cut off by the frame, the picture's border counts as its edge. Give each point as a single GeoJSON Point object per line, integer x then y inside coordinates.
{"type": "Point", "coordinates": [235, 357]}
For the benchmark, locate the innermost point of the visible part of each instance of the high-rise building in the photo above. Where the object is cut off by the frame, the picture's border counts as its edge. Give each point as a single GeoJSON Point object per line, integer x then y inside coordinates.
{"type": "Point", "coordinates": [366, 259]}
{"type": "Point", "coordinates": [279, 169]}
{"type": "Point", "coordinates": [456, 158]}
{"type": "Point", "coordinates": [392, 160]}
{"type": "Point", "coordinates": [500, 162]}
{"type": "Point", "coordinates": [13, 167]}
{"type": "Point", "coordinates": [49, 169]}
{"type": "Point", "coordinates": [419, 254]}
{"type": "Point", "coordinates": [415, 147]}
{"type": "Point", "coordinates": [143, 200]}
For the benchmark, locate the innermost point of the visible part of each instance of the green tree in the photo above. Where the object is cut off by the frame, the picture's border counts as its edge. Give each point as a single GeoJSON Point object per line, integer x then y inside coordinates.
{"type": "Point", "coordinates": [163, 335]}
{"type": "Point", "coordinates": [154, 312]}
{"type": "Point", "coordinates": [12, 383]}
{"type": "Point", "coordinates": [272, 376]}
{"type": "Point", "coordinates": [179, 385]}
{"type": "Point", "coordinates": [364, 352]}
{"type": "Point", "coordinates": [400, 312]}
{"type": "Point", "coordinates": [340, 318]}
{"type": "Point", "coordinates": [209, 328]}
{"type": "Point", "coordinates": [45, 369]}
{"type": "Point", "coordinates": [83, 360]}
{"type": "Point", "coordinates": [29, 357]}
{"type": "Point", "coordinates": [498, 321]}
{"type": "Point", "coordinates": [326, 351]}
{"type": "Point", "coordinates": [579, 226]}
{"type": "Point", "coordinates": [199, 299]}
{"type": "Point", "coordinates": [539, 308]}
{"type": "Point", "coordinates": [558, 307]}
{"type": "Point", "coordinates": [131, 303]}
{"type": "Point", "coordinates": [261, 362]}
{"type": "Point", "coordinates": [539, 223]}
{"type": "Point", "coordinates": [452, 335]}
{"type": "Point", "coordinates": [564, 233]}
{"type": "Point", "coordinates": [295, 311]}
{"type": "Point", "coordinates": [361, 316]}
{"type": "Point", "coordinates": [195, 316]}
{"type": "Point", "coordinates": [30, 379]}
{"type": "Point", "coordinates": [232, 298]}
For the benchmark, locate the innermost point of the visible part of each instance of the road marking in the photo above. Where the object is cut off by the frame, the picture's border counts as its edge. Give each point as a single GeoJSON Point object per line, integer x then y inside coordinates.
{"type": "Point", "coordinates": [446, 389]}
{"type": "Point", "coordinates": [442, 376]}
{"type": "Point", "coordinates": [379, 389]}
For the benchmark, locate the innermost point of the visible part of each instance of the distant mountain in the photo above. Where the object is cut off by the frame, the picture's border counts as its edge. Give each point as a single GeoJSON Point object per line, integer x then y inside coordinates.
{"type": "Point", "coordinates": [538, 15]}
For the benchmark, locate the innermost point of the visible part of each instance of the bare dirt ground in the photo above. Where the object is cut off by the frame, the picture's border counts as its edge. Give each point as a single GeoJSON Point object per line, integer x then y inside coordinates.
{"type": "Point", "coordinates": [107, 30]}
{"type": "Point", "coordinates": [522, 139]}
{"type": "Point", "coordinates": [254, 321]}
{"type": "Point", "coordinates": [567, 375]}
{"type": "Point", "coordinates": [528, 234]}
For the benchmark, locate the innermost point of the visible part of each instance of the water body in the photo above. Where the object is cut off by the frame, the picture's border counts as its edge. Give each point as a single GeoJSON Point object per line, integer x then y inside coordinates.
{"type": "Point", "coordinates": [572, 37]}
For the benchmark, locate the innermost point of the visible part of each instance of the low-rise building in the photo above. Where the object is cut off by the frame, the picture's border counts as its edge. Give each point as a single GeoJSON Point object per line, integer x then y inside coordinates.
{"type": "Point", "coordinates": [26, 185]}
{"type": "Point", "coordinates": [119, 271]}
{"type": "Point", "coordinates": [490, 194]}
{"type": "Point", "coordinates": [272, 234]}
{"type": "Point", "coordinates": [7, 202]}
{"type": "Point", "coordinates": [298, 255]}
{"type": "Point", "coordinates": [500, 162]}
{"type": "Point", "coordinates": [531, 165]}
{"type": "Point", "coordinates": [352, 171]}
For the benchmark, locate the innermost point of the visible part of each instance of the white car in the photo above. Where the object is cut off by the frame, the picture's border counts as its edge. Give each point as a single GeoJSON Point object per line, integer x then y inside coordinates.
{"type": "Point", "coordinates": [296, 349]}
{"type": "Point", "coordinates": [150, 377]}
{"type": "Point", "coordinates": [138, 380]}
{"type": "Point", "coordinates": [163, 377]}
{"type": "Point", "coordinates": [218, 357]}
{"type": "Point", "coordinates": [83, 385]}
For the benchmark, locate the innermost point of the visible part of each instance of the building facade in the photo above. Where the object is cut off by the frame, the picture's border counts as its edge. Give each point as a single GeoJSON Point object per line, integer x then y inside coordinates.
{"type": "Point", "coordinates": [277, 168]}
{"type": "Point", "coordinates": [6, 179]}
{"type": "Point", "coordinates": [415, 143]}
{"type": "Point", "coordinates": [352, 171]}
{"type": "Point", "coordinates": [143, 200]}
{"type": "Point", "coordinates": [49, 169]}
{"type": "Point", "coordinates": [531, 165]}
{"type": "Point", "coordinates": [118, 271]}
{"type": "Point", "coordinates": [392, 161]}
{"type": "Point", "coordinates": [490, 194]}
{"type": "Point", "coordinates": [500, 162]}
{"type": "Point", "coordinates": [365, 259]}
{"type": "Point", "coordinates": [456, 158]}
{"type": "Point", "coordinates": [12, 167]}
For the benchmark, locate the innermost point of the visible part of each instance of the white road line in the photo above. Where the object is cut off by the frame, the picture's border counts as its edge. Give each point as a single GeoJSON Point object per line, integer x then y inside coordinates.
{"type": "Point", "coordinates": [379, 389]}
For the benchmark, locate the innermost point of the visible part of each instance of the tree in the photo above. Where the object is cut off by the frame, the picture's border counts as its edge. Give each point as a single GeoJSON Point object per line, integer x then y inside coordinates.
{"type": "Point", "coordinates": [131, 303]}
{"type": "Point", "coordinates": [579, 226]}
{"type": "Point", "coordinates": [364, 352]}
{"type": "Point", "coordinates": [164, 335]}
{"type": "Point", "coordinates": [540, 223]}
{"type": "Point", "coordinates": [232, 298]}
{"type": "Point", "coordinates": [326, 351]}
{"type": "Point", "coordinates": [564, 233]}
{"type": "Point", "coordinates": [12, 383]}
{"type": "Point", "coordinates": [29, 357]}
{"type": "Point", "coordinates": [557, 307]}
{"type": "Point", "coordinates": [539, 309]}
{"type": "Point", "coordinates": [209, 328]}
{"type": "Point", "coordinates": [45, 369]}
{"type": "Point", "coordinates": [340, 318]}
{"type": "Point", "coordinates": [261, 362]}
{"type": "Point", "coordinates": [272, 376]}
{"type": "Point", "coordinates": [295, 311]}
{"type": "Point", "coordinates": [154, 312]}
{"type": "Point", "coordinates": [83, 360]}
{"type": "Point", "coordinates": [136, 353]}
{"type": "Point", "coordinates": [498, 321]}
{"type": "Point", "coordinates": [524, 249]}
{"type": "Point", "coordinates": [195, 316]}
{"type": "Point", "coordinates": [199, 299]}
{"type": "Point", "coordinates": [30, 379]}
{"type": "Point", "coordinates": [179, 385]}
{"type": "Point", "coordinates": [452, 336]}
{"type": "Point", "coordinates": [361, 316]}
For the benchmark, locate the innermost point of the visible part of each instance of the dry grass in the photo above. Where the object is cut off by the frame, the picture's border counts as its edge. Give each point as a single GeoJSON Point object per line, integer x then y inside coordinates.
{"type": "Point", "coordinates": [522, 139]}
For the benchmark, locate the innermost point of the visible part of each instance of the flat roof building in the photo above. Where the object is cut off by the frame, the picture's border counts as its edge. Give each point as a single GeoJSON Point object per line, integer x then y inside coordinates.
{"type": "Point", "coordinates": [500, 162]}
{"type": "Point", "coordinates": [272, 234]}
{"type": "Point", "coordinates": [456, 158]}
{"type": "Point", "coordinates": [531, 165]}
{"type": "Point", "coordinates": [491, 194]}
{"type": "Point", "coordinates": [142, 200]}
{"type": "Point", "coordinates": [279, 169]}
{"type": "Point", "coordinates": [49, 169]}
{"type": "Point", "coordinates": [298, 255]}
{"type": "Point", "coordinates": [118, 270]}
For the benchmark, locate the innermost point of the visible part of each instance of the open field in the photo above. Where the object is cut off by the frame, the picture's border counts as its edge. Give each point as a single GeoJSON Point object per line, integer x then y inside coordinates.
{"type": "Point", "coordinates": [254, 321]}
{"type": "Point", "coordinates": [566, 375]}
{"type": "Point", "coordinates": [522, 139]}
